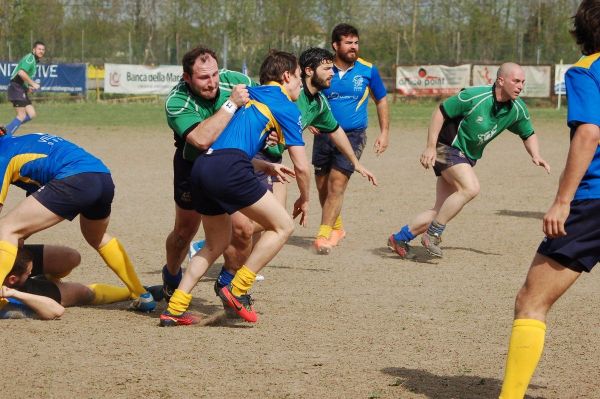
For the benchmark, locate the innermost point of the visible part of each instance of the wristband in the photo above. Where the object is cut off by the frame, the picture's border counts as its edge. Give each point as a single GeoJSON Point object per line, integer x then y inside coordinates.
{"type": "Point", "coordinates": [229, 106]}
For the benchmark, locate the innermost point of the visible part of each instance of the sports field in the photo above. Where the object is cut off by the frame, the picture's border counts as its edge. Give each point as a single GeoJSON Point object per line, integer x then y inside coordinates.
{"type": "Point", "coordinates": [360, 323]}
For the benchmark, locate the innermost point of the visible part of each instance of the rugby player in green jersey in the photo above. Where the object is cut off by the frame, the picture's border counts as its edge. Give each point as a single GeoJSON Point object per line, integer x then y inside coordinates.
{"type": "Point", "coordinates": [21, 84]}
{"type": "Point", "coordinates": [198, 108]}
{"type": "Point", "coordinates": [459, 130]}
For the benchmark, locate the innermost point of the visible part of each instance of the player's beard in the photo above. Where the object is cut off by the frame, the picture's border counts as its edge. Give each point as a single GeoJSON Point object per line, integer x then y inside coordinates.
{"type": "Point", "coordinates": [349, 56]}
{"type": "Point", "coordinates": [320, 84]}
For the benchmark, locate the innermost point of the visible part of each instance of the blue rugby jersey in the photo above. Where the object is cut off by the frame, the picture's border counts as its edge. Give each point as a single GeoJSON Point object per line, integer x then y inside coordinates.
{"type": "Point", "coordinates": [348, 96]}
{"type": "Point", "coordinates": [269, 108]}
{"type": "Point", "coordinates": [30, 161]}
{"type": "Point", "coordinates": [582, 81]}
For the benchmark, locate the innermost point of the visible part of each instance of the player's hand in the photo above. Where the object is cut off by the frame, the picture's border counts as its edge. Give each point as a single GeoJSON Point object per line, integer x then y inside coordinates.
{"type": "Point", "coordinates": [428, 157]}
{"type": "Point", "coordinates": [239, 95]}
{"type": "Point", "coordinates": [301, 208]}
{"type": "Point", "coordinates": [381, 144]}
{"type": "Point", "coordinates": [273, 138]}
{"type": "Point", "coordinates": [366, 173]}
{"type": "Point", "coordinates": [554, 220]}
{"type": "Point", "coordinates": [34, 86]}
{"type": "Point", "coordinates": [314, 130]}
{"type": "Point", "coordinates": [6, 292]}
{"type": "Point", "coordinates": [282, 172]}
{"type": "Point", "coordinates": [540, 162]}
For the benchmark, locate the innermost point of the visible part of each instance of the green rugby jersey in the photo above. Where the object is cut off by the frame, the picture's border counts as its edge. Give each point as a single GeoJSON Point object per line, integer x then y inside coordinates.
{"type": "Point", "coordinates": [474, 117]}
{"type": "Point", "coordinates": [27, 64]}
{"type": "Point", "coordinates": [185, 110]}
{"type": "Point", "coordinates": [315, 112]}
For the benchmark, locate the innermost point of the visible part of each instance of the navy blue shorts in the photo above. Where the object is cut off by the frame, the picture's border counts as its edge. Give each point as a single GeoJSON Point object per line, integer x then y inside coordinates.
{"type": "Point", "coordinates": [88, 194]}
{"type": "Point", "coordinates": [223, 181]}
{"type": "Point", "coordinates": [182, 186]}
{"type": "Point", "coordinates": [326, 156]}
{"type": "Point", "coordinates": [265, 179]}
{"type": "Point", "coordinates": [17, 95]}
{"type": "Point", "coordinates": [579, 250]}
{"type": "Point", "coordinates": [449, 156]}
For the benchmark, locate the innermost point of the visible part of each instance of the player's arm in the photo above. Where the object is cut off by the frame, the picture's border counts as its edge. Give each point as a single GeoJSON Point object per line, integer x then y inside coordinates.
{"type": "Point", "coordinates": [340, 140]}
{"type": "Point", "coordinates": [533, 149]}
{"type": "Point", "coordinates": [207, 131]}
{"type": "Point", "coordinates": [433, 132]}
{"type": "Point", "coordinates": [302, 171]}
{"type": "Point", "coordinates": [46, 308]}
{"type": "Point", "coordinates": [383, 115]}
{"type": "Point", "coordinates": [581, 152]}
{"type": "Point", "coordinates": [30, 82]}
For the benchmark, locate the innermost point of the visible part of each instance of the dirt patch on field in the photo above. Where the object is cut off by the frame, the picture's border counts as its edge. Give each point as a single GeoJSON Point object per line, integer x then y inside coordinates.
{"type": "Point", "coordinates": [360, 323]}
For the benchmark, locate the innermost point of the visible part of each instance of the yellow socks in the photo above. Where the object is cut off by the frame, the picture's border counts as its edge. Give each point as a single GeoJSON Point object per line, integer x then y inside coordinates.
{"type": "Point", "coordinates": [324, 231]}
{"type": "Point", "coordinates": [116, 258]}
{"type": "Point", "coordinates": [104, 294]}
{"type": "Point", "coordinates": [524, 352]}
{"type": "Point", "coordinates": [338, 225]}
{"type": "Point", "coordinates": [179, 303]}
{"type": "Point", "coordinates": [8, 254]}
{"type": "Point", "coordinates": [243, 281]}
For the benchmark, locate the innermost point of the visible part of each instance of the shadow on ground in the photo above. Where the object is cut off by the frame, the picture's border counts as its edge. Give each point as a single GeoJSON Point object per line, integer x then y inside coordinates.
{"type": "Point", "coordinates": [447, 386]}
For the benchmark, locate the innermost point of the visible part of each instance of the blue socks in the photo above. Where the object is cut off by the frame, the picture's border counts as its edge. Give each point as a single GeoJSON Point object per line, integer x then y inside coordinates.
{"type": "Point", "coordinates": [12, 127]}
{"type": "Point", "coordinates": [224, 278]}
{"type": "Point", "coordinates": [169, 279]}
{"type": "Point", "coordinates": [436, 229]}
{"type": "Point", "coordinates": [404, 235]}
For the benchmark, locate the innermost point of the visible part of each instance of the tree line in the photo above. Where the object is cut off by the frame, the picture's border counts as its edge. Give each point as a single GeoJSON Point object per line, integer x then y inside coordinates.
{"type": "Point", "coordinates": [407, 32]}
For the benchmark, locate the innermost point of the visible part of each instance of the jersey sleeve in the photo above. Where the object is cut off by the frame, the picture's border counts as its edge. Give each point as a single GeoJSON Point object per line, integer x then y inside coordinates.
{"type": "Point", "coordinates": [376, 84]}
{"type": "Point", "coordinates": [290, 122]}
{"type": "Point", "coordinates": [6, 179]}
{"type": "Point", "coordinates": [182, 115]}
{"type": "Point", "coordinates": [325, 121]}
{"type": "Point", "coordinates": [456, 106]}
{"type": "Point", "coordinates": [522, 126]}
{"type": "Point", "coordinates": [583, 97]}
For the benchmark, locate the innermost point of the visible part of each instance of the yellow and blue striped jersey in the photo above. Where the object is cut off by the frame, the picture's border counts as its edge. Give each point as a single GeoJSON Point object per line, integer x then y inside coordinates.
{"type": "Point", "coordinates": [269, 108]}
{"type": "Point", "coordinates": [30, 161]}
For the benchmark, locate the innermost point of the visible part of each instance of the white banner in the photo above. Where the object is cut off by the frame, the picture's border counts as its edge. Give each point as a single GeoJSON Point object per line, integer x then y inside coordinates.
{"type": "Point", "coordinates": [537, 78]}
{"type": "Point", "coordinates": [431, 80]}
{"type": "Point", "coordinates": [559, 78]}
{"type": "Point", "coordinates": [140, 79]}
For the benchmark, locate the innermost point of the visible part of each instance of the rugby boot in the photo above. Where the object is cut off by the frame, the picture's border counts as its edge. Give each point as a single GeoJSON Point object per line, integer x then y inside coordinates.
{"type": "Point", "coordinates": [431, 242]}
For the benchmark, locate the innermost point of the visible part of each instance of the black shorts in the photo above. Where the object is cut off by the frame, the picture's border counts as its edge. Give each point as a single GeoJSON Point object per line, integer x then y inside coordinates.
{"type": "Point", "coordinates": [326, 156]}
{"type": "Point", "coordinates": [579, 250]}
{"type": "Point", "coordinates": [182, 185]}
{"type": "Point", "coordinates": [449, 156]}
{"type": "Point", "coordinates": [88, 194]}
{"type": "Point", "coordinates": [265, 179]}
{"type": "Point", "coordinates": [17, 95]}
{"type": "Point", "coordinates": [223, 181]}
{"type": "Point", "coordinates": [39, 285]}
{"type": "Point", "coordinates": [37, 253]}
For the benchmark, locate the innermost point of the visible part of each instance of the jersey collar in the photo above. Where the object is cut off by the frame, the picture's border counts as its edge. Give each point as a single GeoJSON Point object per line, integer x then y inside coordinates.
{"type": "Point", "coordinates": [498, 105]}
{"type": "Point", "coordinates": [273, 83]}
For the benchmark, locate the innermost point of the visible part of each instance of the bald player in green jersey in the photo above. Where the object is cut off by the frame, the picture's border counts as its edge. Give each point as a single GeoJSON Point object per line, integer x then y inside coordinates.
{"type": "Point", "coordinates": [459, 130]}
{"type": "Point", "coordinates": [197, 109]}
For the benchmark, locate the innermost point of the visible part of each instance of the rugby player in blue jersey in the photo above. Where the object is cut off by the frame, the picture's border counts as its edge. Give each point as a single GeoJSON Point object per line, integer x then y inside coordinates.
{"type": "Point", "coordinates": [62, 181]}
{"type": "Point", "coordinates": [354, 81]}
{"type": "Point", "coordinates": [571, 225]}
{"type": "Point", "coordinates": [224, 182]}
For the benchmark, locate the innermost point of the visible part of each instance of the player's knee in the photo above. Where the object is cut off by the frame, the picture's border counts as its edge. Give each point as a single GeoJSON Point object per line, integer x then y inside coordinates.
{"type": "Point", "coordinates": [287, 227]}
{"type": "Point", "coordinates": [71, 258]}
{"type": "Point", "coordinates": [243, 231]}
{"type": "Point", "coordinates": [471, 191]}
{"type": "Point", "coordinates": [529, 306]}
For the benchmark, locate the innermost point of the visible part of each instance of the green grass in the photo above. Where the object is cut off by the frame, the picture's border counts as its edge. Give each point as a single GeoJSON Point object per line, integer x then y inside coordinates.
{"type": "Point", "coordinates": [151, 114]}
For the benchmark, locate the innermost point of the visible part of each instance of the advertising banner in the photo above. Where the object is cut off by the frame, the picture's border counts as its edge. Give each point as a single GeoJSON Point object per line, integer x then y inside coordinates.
{"type": "Point", "coordinates": [140, 79]}
{"type": "Point", "coordinates": [432, 80]}
{"type": "Point", "coordinates": [559, 78]}
{"type": "Point", "coordinates": [537, 78]}
{"type": "Point", "coordinates": [57, 78]}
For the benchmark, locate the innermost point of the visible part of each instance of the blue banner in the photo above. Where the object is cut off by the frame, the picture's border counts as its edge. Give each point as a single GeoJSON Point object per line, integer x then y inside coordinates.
{"type": "Point", "coordinates": [56, 78]}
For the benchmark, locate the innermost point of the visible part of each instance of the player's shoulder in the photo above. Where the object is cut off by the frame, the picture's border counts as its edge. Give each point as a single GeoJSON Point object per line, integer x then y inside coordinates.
{"type": "Point", "coordinates": [588, 61]}
{"type": "Point", "coordinates": [475, 93]}
{"type": "Point", "coordinates": [521, 108]}
{"type": "Point", "coordinates": [28, 58]}
{"type": "Point", "coordinates": [228, 79]}
{"type": "Point", "coordinates": [364, 63]}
